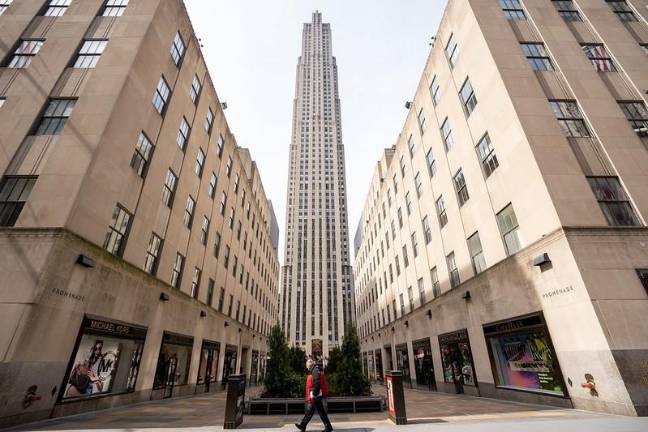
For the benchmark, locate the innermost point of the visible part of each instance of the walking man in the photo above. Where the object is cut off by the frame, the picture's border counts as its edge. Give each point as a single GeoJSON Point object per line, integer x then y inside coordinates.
{"type": "Point", "coordinates": [316, 391]}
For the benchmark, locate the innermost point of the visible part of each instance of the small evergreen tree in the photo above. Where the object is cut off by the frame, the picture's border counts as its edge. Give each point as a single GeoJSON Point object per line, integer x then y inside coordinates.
{"type": "Point", "coordinates": [297, 360]}
{"type": "Point", "coordinates": [348, 379]}
{"type": "Point", "coordinates": [334, 360]}
{"type": "Point", "coordinates": [280, 379]}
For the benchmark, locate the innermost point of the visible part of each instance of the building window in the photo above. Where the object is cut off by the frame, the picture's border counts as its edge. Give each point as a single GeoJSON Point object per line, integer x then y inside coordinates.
{"type": "Point", "coordinates": [435, 91]}
{"type": "Point", "coordinates": [161, 96]}
{"type": "Point", "coordinates": [637, 115]}
{"type": "Point", "coordinates": [14, 192]}
{"type": "Point", "coordinates": [210, 294]}
{"type": "Point", "coordinates": [436, 286]}
{"type": "Point", "coordinates": [228, 167]}
{"type": "Point", "coordinates": [570, 118]}
{"type": "Point", "coordinates": [446, 133]}
{"type": "Point", "coordinates": [460, 187]}
{"type": "Point", "coordinates": [223, 203]}
{"type": "Point", "coordinates": [117, 231]}
{"type": "Point", "coordinates": [427, 232]}
{"type": "Point", "coordinates": [468, 98]}
{"type": "Point", "coordinates": [217, 243]}
{"type": "Point", "coordinates": [408, 203]}
{"type": "Point", "coordinates": [411, 145]}
{"type": "Point", "coordinates": [55, 116]}
{"type": "Point", "coordinates": [613, 200]}
{"type": "Point", "coordinates": [168, 190]}
{"type": "Point", "coordinates": [226, 257]}
{"type": "Point", "coordinates": [410, 298]}
{"type": "Point", "coordinates": [24, 54]}
{"type": "Point", "coordinates": [419, 184]}
{"type": "Point", "coordinates": [204, 231]}
{"type": "Point", "coordinates": [421, 290]}
{"type": "Point", "coordinates": [220, 145]}
{"type": "Point", "coordinates": [176, 273]}
{"type": "Point", "coordinates": [230, 221]}
{"type": "Point", "coordinates": [213, 181]}
{"type": "Point", "coordinates": [90, 53]}
{"type": "Point", "coordinates": [421, 122]}
{"type": "Point", "coordinates": [567, 10]}
{"type": "Point", "coordinates": [476, 253]}
{"type": "Point", "coordinates": [4, 5]}
{"type": "Point", "coordinates": [209, 121]}
{"type": "Point", "coordinates": [405, 257]}
{"type": "Point", "coordinates": [414, 244]}
{"type": "Point", "coordinates": [431, 163]}
{"type": "Point", "coordinates": [537, 56]}
{"type": "Point", "coordinates": [599, 57]}
{"type": "Point", "coordinates": [200, 163]}
{"type": "Point", "coordinates": [195, 89]}
{"type": "Point", "coordinates": [508, 226]}
{"type": "Point", "coordinates": [487, 155]}
{"type": "Point", "coordinates": [451, 51]}
{"type": "Point", "coordinates": [452, 270]}
{"type": "Point", "coordinates": [142, 155]}
{"type": "Point", "coordinates": [622, 10]}
{"type": "Point", "coordinates": [177, 49]}
{"type": "Point", "coordinates": [2, 101]}
{"type": "Point", "coordinates": [402, 166]}
{"type": "Point", "coordinates": [114, 8]}
{"type": "Point", "coordinates": [189, 212]}
{"type": "Point", "coordinates": [195, 283]}
{"type": "Point", "coordinates": [57, 8]}
{"type": "Point", "coordinates": [152, 254]}
{"type": "Point", "coordinates": [183, 134]}
{"type": "Point", "coordinates": [441, 211]}
{"type": "Point", "coordinates": [221, 300]}
{"type": "Point", "coordinates": [512, 9]}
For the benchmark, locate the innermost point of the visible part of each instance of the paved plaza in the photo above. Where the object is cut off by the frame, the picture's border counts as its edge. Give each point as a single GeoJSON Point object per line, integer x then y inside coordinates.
{"type": "Point", "coordinates": [426, 411]}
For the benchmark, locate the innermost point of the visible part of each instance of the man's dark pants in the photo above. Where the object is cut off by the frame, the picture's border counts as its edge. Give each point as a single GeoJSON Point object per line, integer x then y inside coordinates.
{"type": "Point", "coordinates": [316, 404]}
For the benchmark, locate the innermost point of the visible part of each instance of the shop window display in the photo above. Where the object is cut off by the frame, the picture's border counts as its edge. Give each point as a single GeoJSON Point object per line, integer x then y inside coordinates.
{"type": "Point", "coordinates": [456, 357]}
{"type": "Point", "coordinates": [522, 356]}
{"type": "Point", "coordinates": [208, 368]}
{"type": "Point", "coordinates": [173, 362]}
{"type": "Point", "coordinates": [106, 360]}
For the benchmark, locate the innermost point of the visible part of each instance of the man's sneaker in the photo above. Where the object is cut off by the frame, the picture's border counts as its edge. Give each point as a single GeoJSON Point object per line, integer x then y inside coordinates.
{"type": "Point", "coordinates": [300, 427]}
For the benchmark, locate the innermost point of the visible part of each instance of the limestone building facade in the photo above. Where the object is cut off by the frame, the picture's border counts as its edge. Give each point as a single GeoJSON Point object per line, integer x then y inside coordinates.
{"type": "Point", "coordinates": [503, 248]}
{"type": "Point", "coordinates": [138, 247]}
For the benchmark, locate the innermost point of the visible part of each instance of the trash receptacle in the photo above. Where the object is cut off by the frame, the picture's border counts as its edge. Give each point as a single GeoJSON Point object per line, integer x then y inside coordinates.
{"type": "Point", "coordinates": [396, 397]}
{"type": "Point", "coordinates": [235, 401]}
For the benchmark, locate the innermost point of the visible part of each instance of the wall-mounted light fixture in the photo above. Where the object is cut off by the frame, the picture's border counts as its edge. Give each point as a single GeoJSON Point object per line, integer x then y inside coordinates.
{"type": "Point", "coordinates": [226, 324]}
{"type": "Point", "coordinates": [466, 296]}
{"type": "Point", "coordinates": [429, 313]}
{"type": "Point", "coordinates": [85, 261]}
{"type": "Point", "coordinates": [408, 105]}
{"type": "Point", "coordinates": [164, 297]}
{"type": "Point", "coordinates": [203, 314]}
{"type": "Point", "coordinates": [407, 323]}
{"type": "Point", "coordinates": [541, 260]}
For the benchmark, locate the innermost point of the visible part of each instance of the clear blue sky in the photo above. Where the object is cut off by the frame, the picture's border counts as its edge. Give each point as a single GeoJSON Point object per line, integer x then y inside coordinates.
{"type": "Point", "coordinates": [251, 48]}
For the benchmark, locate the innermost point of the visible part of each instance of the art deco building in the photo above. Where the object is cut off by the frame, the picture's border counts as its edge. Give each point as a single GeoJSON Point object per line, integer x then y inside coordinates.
{"type": "Point", "coordinates": [135, 241]}
{"type": "Point", "coordinates": [317, 280]}
{"type": "Point", "coordinates": [503, 248]}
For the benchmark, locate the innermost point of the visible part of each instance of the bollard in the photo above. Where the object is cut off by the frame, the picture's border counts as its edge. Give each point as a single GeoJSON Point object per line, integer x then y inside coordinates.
{"type": "Point", "coordinates": [235, 401]}
{"type": "Point", "coordinates": [396, 397]}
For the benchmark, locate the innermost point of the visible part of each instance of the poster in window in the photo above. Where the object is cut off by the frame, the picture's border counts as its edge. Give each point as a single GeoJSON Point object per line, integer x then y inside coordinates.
{"type": "Point", "coordinates": [94, 367]}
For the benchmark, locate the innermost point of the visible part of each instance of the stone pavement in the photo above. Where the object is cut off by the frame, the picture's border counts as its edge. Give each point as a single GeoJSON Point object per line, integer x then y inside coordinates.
{"type": "Point", "coordinates": [429, 412]}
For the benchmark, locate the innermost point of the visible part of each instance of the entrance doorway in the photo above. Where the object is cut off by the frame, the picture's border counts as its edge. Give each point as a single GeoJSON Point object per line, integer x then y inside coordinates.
{"type": "Point", "coordinates": [388, 355]}
{"type": "Point", "coordinates": [208, 368]}
{"type": "Point", "coordinates": [229, 363]}
{"type": "Point", "coordinates": [423, 364]}
{"type": "Point", "coordinates": [457, 360]}
{"type": "Point", "coordinates": [254, 370]}
{"type": "Point", "coordinates": [379, 365]}
{"type": "Point", "coordinates": [402, 363]}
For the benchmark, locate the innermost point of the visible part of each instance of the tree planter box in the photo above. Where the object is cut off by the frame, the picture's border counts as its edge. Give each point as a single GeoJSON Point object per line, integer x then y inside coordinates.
{"type": "Point", "coordinates": [351, 404]}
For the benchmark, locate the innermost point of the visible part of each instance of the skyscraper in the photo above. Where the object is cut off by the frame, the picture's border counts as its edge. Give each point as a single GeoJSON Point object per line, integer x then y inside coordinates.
{"type": "Point", "coordinates": [317, 281]}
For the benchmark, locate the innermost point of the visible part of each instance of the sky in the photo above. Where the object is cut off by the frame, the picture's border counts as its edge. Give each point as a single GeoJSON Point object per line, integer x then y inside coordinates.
{"type": "Point", "coordinates": [251, 49]}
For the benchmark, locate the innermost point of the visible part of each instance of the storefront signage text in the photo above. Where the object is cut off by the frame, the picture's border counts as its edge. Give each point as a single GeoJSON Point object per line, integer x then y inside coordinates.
{"type": "Point", "coordinates": [68, 294]}
{"type": "Point", "coordinates": [558, 291]}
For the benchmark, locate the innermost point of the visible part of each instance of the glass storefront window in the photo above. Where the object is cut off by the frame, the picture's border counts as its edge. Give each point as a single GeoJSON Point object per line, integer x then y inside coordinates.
{"type": "Point", "coordinates": [174, 360]}
{"type": "Point", "coordinates": [106, 360]}
{"type": "Point", "coordinates": [522, 356]}
{"type": "Point", "coordinates": [423, 364]}
{"type": "Point", "coordinates": [457, 358]}
{"type": "Point", "coordinates": [402, 362]}
{"type": "Point", "coordinates": [229, 364]}
{"type": "Point", "coordinates": [208, 369]}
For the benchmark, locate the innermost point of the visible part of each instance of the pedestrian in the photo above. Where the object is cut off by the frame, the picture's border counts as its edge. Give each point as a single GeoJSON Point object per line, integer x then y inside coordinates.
{"type": "Point", "coordinates": [316, 391]}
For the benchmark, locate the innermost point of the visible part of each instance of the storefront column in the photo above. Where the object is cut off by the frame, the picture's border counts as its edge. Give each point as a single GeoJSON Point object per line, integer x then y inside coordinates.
{"type": "Point", "coordinates": [151, 351]}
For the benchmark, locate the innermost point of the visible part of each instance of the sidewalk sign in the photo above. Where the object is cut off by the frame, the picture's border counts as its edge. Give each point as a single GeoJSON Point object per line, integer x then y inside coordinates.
{"type": "Point", "coordinates": [396, 397]}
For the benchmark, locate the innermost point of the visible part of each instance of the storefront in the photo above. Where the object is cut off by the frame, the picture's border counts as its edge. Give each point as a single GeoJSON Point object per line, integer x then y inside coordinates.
{"type": "Point", "coordinates": [254, 369]}
{"type": "Point", "coordinates": [456, 357]}
{"type": "Point", "coordinates": [173, 362]}
{"type": "Point", "coordinates": [365, 365]}
{"type": "Point", "coordinates": [402, 363]}
{"type": "Point", "coordinates": [423, 364]}
{"type": "Point", "coordinates": [105, 360]}
{"type": "Point", "coordinates": [208, 369]}
{"type": "Point", "coordinates": [522, 356]}
{"type": "Point", "coordinates": [389, 358]}
{"type": "Point", "coordinates": [379, 365]}
{"type": "Point", "coordinates": [229, 364]}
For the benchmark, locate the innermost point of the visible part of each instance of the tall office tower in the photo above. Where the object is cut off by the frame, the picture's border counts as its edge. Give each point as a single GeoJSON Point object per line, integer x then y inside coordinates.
{"type": "Point", "coordinates": [317, 281]}
{"type": "Point", "coordinates": [137, 245]}
{"type": "Point", "coordinates": [503, 248]}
